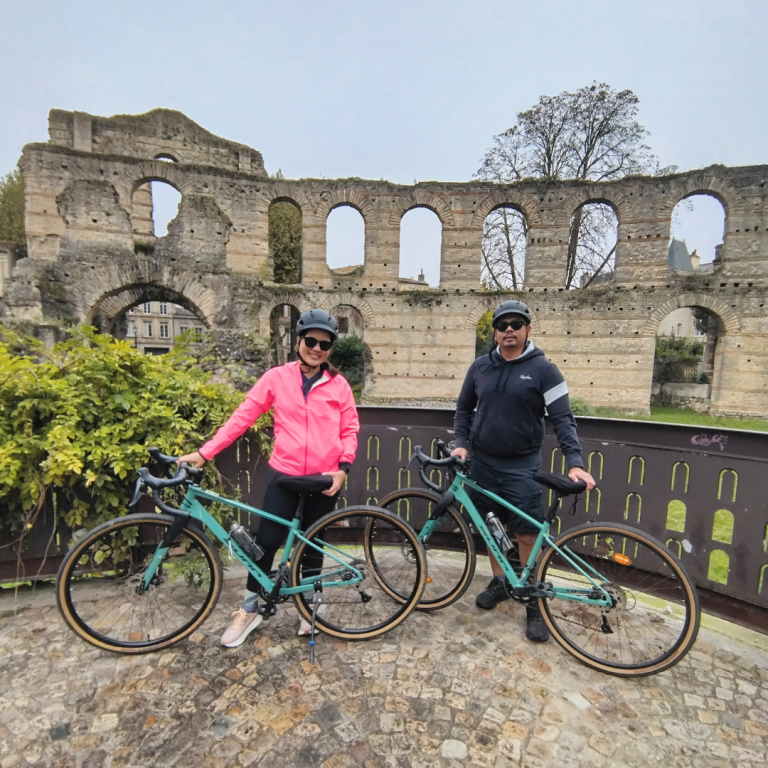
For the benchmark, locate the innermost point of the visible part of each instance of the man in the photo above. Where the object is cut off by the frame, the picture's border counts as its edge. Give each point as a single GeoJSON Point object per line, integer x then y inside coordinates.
{"type": "Point", "coordinates": [503, 399]}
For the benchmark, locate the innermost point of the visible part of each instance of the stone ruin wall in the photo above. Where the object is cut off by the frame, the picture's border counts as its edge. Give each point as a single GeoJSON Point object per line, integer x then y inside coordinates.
{"type": "Point", "coordinates": [92, 255]}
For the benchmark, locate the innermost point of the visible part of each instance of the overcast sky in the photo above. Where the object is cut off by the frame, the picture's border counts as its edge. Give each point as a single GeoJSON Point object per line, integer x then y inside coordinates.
{"type": "Point", "coordinates": [396, 90]}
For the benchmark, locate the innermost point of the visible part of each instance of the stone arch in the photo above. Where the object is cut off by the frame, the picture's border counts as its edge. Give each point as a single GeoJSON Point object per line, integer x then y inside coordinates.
{"type": "Point", "coordinates": [193, 295]}
{"type": "Point", "coordinates": [352, 197]}
{"type": "Point", "coordinates": [298, 300]}
{"type": "Point", "coordinates": [422, 198]}
{"type": "Point", "coordinates": [612, 196]}
{"type": "Point", "coordinates": [284, 193]}
{"type": "Point", "coordinates": [724, 311]}
{"type": "Point", "coordinates": [363, 307]}
{"type": "Point", "coordinates": [159, 170]}
{"type": "Point", "coordinates": [508, 198]}
{"type": "Point", "coordinates": [473, 318]}
{"type": "Point", "coordinates": [165, 156]}
{"type": "Point", "coordinates": [705, 183]}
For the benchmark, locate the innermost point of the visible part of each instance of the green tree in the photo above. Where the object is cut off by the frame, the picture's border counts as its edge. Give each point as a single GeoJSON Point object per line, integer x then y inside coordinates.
{"type": "Point", "coordinates": [484, 335]}
{"type": "Point", "coordinates": [348, 355]}
{"type": "Point", "coordinates": [76, 422]}
{"type": "Point", "coordinates": [285, 241]}
{"type": "Point", "coordinates": [12, 210]}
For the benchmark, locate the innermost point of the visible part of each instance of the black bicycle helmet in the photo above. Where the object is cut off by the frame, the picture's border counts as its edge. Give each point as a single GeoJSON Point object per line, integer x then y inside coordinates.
{"type": "Point", "coordinates": [512, 307]}
{"type": "Point", "coordinates": [320, 319]}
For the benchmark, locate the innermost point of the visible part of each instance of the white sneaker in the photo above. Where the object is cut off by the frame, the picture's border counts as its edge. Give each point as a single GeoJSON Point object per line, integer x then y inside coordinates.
{"type": "Point", "coordinates": [242, 625]}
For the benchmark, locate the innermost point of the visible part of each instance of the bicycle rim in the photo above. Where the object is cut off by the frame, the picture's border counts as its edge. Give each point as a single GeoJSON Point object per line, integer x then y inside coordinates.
{"type": "Point", "coordinates": [360, 610]}
{"type": "Point", "coordinates": [97, 588]}
{"type": "Point", "coordinates": [654, 617]}
{"type": "Point", "coordinates": [450, 548]}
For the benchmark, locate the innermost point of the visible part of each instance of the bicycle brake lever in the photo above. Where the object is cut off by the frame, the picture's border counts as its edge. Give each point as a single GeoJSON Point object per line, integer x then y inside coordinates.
{"type": "Point", "coordinates": [136, 494]}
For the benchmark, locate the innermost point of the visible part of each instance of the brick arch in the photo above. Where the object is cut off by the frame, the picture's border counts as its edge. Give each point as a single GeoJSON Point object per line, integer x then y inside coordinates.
{"type": "Point", "coordinates": [705, 183]}
{"type": "Point", "coordinates": [189, 293]}
{"type": "Point", "coordinates": [353, 197]}
{"type": "Point", "coordinates": [724, 311]}
{"type": "Point", "coordinates": [159, 170]}
{"type": "Point", "coordinates": [610, 195]}
{"type": "Point", "coordinates": [473, 318]}
{"type": "Point", "coordinates": [298, 300]}
{"type": "Point", "coordinates": [284, 193]}
{"type": "Point", "coordinates": [506, 198]}
{"type": "Point", "coordinates": [351, 300]}
{"type": "Point", "coordinates": [421, 198]}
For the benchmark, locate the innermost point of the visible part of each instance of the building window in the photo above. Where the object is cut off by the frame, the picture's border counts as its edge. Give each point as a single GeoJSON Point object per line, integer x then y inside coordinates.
{"type": "Point", "coordinates": [164, 330]}
{"type": "Point", "coordinates": [147, 308]}
{"type": "Point", "coordinates": [131, 329]}
{"type": "Point", "coordinates": [183, 328]}
{"type": "Point", "coordinates": [163, 308]}
{"type": "Point", "coordinates": [198, 333]}
{"type": "Point", "coordinates": [148, 329]}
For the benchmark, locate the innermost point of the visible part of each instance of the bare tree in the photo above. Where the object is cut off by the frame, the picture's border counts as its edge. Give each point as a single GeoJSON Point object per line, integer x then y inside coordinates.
{"type": "Point", "coordinates": [588, 135]}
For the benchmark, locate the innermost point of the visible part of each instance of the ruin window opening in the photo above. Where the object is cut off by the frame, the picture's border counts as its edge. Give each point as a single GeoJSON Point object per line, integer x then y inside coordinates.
{"type": "Point", "coordinates": [282, 324]}
{"type": "Point", "coordinates": [421, 241]}
{"type": "Point", "coordinates": [505, 234]}
{"type": "Point", "coordinates": [592, 243]}
{"type": "Point", "coordinates": [349, 354]}
{"type": "Point", "coordinates": [155, 204]}
{"type": "Point", "coordinates": [696, 234]}
{"type": "Point", "coordinates": [153, 326]}
{"type": "Point", "coordinates": [686, 358]}
{"type": "Point", "coordinates": [166, 158]}
{"type": "Point", "coordinates": [345, 239]}
{"type": "Point", "coordinates": [285, 241]}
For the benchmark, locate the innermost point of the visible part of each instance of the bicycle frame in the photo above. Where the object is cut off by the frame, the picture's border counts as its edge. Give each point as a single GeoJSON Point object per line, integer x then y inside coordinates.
{"type": "Point", "coordinates": [192, 507]}
{"type": "Point", "coordinates": [585, 595]}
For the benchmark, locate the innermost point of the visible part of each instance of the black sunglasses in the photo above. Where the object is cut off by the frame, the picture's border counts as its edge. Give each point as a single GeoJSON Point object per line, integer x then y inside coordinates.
{"type": "Point", "coordinates": [311, 342]}
{"type": "Point", "coordinates": [515, 325]}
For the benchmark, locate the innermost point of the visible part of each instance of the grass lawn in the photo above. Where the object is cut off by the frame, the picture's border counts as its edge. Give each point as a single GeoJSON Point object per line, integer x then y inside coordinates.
{"type": "Point", "coordinates": [684, 416]}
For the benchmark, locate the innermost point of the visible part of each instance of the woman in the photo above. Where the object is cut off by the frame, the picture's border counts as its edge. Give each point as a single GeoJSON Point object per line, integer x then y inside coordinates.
{"type": "Point", "coordinates": [316, 428]}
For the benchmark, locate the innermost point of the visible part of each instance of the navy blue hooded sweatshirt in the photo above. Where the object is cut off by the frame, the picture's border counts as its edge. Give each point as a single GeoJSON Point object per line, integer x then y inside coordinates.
{"type": "Point", "coordinates": [510, 397]}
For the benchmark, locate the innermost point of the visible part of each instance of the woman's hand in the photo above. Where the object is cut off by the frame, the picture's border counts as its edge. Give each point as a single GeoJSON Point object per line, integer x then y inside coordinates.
{"type": "Point", "coordinates": [577, 473]}
{"type": "Point", "coordinates": [338, 480]}
{"type": "Point", "coordinates": [193, 459]}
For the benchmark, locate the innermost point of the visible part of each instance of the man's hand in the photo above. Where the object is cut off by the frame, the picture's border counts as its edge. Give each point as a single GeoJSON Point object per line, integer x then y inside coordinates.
{"type": "Point", "coordinates": [577, 473]}
{"type": "Point", "coordinates": [193, 459]}
{"type": "Point", "coordinates": [338, 480]}
{"type": "Point", "coordinates": [460, 452]}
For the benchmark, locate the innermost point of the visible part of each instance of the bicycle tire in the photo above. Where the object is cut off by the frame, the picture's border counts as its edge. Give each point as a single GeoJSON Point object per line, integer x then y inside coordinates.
{"type": "Point", "coordinates": [655, 616]}
{"type": "Point", "coordinates": [450, 549]}
{"type": "Point", "coordinates": [96, 590]}
{"type": "Point", "coordinates": [364, 610]}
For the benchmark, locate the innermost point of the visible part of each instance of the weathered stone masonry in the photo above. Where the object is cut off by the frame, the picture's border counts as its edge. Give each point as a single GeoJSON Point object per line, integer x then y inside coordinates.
{"type": "Point", "coordinates": [91, 257]}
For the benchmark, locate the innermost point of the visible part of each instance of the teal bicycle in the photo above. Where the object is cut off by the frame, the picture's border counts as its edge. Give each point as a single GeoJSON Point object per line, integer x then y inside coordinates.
{"type": "Point", "coordinates": [144, 581]}
{"type": "Point", "coordinates": [614, 597]}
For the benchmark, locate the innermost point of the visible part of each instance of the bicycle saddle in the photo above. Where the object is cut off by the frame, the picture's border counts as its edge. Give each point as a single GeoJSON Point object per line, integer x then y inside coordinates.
{"type": "Point", "coordinates": [305, 484]}
{"type": "Point", "coordinates": [560, 483]}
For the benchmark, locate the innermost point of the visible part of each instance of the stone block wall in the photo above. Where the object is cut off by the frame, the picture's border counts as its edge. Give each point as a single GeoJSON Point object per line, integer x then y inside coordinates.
{"type": "Point", "coordinates": [88, 220]}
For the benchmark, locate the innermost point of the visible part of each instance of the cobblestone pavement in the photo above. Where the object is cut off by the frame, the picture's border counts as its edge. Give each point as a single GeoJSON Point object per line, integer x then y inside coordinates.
{"type": "Point", "coordinates": [455, 688]}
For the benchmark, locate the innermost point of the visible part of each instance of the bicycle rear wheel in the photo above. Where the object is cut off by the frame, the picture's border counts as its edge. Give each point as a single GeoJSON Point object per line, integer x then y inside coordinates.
{"type": "Point", "coordinates": [450, 548]}
{"type": "Point", "coordinates": [655, 615]}
{"type": "Point", "coordinates": [97, 584]}
{"type": "Point", "coordinates": [359, 536]}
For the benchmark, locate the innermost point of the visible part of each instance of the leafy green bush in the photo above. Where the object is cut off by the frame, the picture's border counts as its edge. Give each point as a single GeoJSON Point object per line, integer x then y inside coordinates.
{"type": "Point", "coordinates": [348, 355]}
{"type": "Point", "coordinates": [484, 335]}
{"type": "Point", "coordinates": [580, 407]}
{"type": "Point", "coordinates": [76, 422]}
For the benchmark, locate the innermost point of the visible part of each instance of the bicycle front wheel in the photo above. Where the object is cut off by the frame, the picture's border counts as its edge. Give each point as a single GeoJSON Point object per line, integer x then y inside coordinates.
{"type": "Point", "coordinates": [98, 581]}
{"type": "Point", "coordinates": [450, 548]}
{"type": "Point", "coordinates": [654, 617]}
{"type": "Point", "coordinates": [350, 541]}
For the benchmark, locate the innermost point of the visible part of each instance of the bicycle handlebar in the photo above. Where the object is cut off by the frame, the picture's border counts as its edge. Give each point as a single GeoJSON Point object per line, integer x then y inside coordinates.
{"type": "Point", "coordinates": [184, 474]}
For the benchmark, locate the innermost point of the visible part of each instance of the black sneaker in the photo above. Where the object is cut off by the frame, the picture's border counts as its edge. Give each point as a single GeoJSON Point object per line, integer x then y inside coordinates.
{"type": "Point", "coordinates": [495, 593]}
{"type": "Point", "coordinates": [535, 630]}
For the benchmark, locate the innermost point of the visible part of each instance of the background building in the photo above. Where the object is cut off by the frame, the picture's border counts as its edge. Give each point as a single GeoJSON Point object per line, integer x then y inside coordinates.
{"type": "Point", "coordinates": [153, 326]}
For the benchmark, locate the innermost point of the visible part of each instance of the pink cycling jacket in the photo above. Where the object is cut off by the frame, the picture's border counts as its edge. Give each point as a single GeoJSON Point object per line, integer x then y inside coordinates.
{"type": "Point", "coordinates": [310, 437]}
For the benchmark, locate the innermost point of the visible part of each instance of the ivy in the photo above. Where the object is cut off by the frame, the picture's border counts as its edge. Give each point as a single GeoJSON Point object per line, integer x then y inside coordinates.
{"type": "Point", "coordinates": [76, 422]}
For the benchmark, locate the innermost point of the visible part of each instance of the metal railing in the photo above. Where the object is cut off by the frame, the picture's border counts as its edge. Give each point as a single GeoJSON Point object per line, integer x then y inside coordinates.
{"type": "Point", "coordinates": [704, 492]}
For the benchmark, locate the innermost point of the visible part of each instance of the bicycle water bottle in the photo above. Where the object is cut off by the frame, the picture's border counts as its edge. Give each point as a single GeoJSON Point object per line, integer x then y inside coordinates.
{"type": "Point", "coordinates": [247, 543]}
{"type": "Point", "coordinates": [498, 533]}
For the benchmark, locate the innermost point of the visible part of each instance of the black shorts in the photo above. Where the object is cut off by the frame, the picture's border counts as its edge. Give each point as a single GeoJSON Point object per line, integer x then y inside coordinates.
{"type": "Point", "coordinates": [512, 480]}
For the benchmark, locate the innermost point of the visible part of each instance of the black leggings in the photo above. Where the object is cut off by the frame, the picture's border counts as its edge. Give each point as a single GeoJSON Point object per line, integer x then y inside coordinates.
{"type": "Point", "coordinates": [282, 503]}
